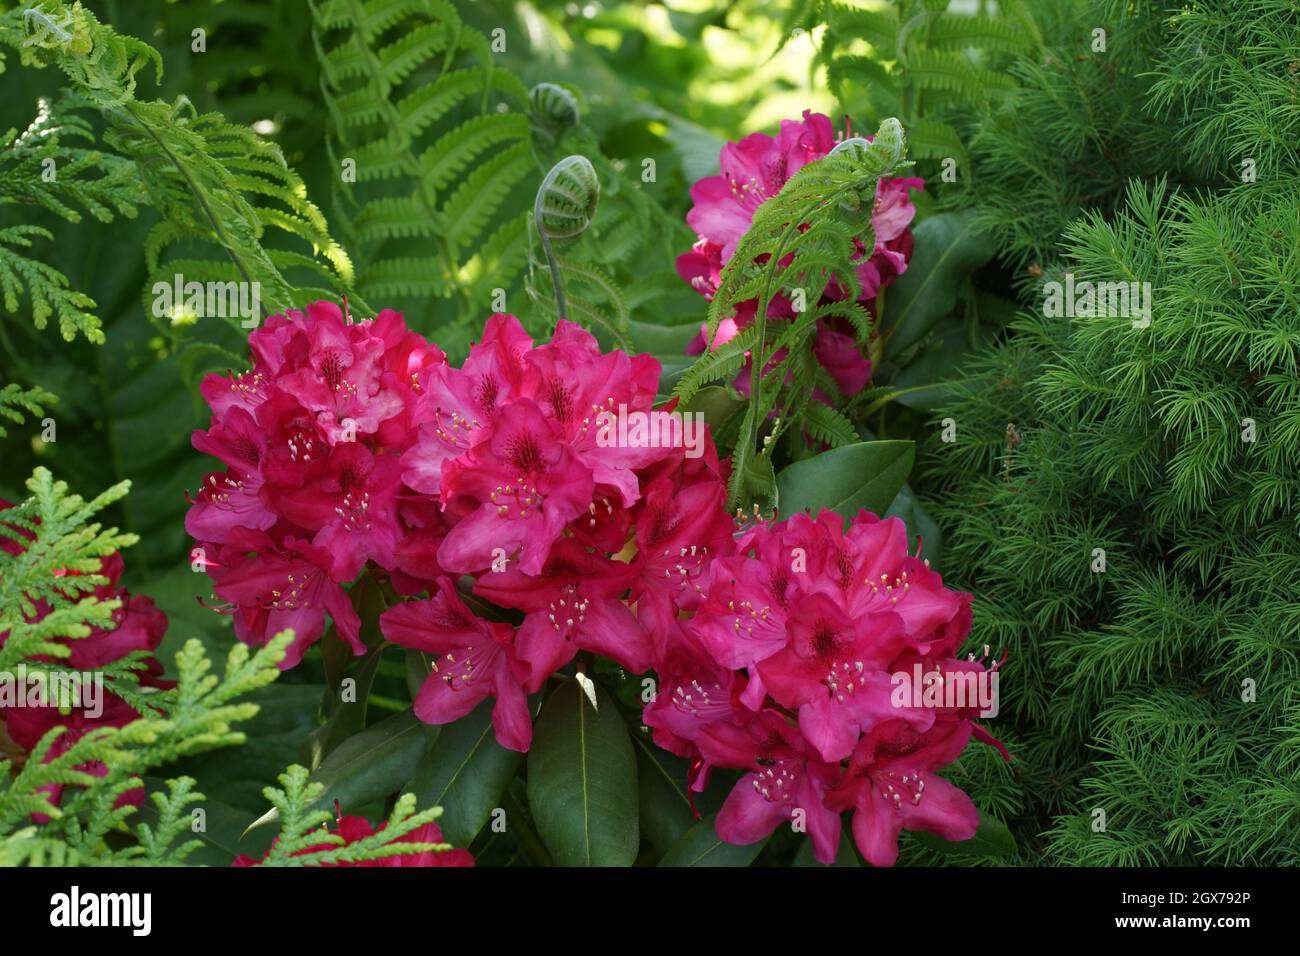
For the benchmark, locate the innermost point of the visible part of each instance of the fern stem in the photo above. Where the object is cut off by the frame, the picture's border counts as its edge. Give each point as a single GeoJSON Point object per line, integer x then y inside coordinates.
{"type": "Point", "coordinates": [757, 359]}
{"type": "Point", "coordinates": [561, 308]}
{"type": "Point", "coordinates": [194, 190]}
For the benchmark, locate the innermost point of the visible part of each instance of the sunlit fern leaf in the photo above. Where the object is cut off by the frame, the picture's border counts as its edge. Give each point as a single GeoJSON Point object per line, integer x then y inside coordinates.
{"type": "Point", "coordinates": [436, 142]}
{"type": "Point", "coordinates": [879, 27]}
{"type": "Point", "coordinates": [981, 31]}
{"type": "Point", "coordinates": [930, 139]}
{"type": "Point", "coordinates": [214, 183]}
{"type": "Point", "coordinates": [954, 73]}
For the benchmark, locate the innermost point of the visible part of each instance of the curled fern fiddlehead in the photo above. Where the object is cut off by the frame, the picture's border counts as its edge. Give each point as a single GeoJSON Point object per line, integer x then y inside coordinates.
{"type": "Point", "coordinates": [566, 203]}
{"type": "Point", "coordinates": [553, 110]}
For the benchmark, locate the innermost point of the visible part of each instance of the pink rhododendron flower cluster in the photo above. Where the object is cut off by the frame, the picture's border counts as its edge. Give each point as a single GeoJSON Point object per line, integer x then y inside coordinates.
{"type": "Point", "coordinates": [786, 670]}
{"type": "Point", "coordinates": [355, 444]}
{"type": "Point", "coordinates": [514, 533]}
{"type": "Point", "coordinates": [752, 171]}
{"type": "Point", "coordinates": [138, 626]}
{"type": "Point", "coordinates": [311, 439]}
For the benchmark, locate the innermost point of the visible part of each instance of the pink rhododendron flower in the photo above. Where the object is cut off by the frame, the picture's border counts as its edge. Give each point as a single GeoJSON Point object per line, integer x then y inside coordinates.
{"type": "Point", "coordinates": [528, 485]}
{"type": "Point", "coordinates": [789, 665]}
{"type": "Point", "coordinates": [270, 587]}
{"type": "Point", "coordinates": [678, 532]}
{"type": "Point", "coordinates": [785, 775]}
{"type": "Point", "coordinates": [509, 442]}
{"type": "Point", "coordinates": [474, 659]}
{"type": "Point", "coordinates": [891, 785]}
{"type": "Point", "coordinates": [312, 438]}
{"type": "Point", "coordinates": [752, 171]}
{"type": "Point", "coordinates": [574, 603]}
{"type": "Point", "coordinates": [694, 692]}
{"type": "Point", "coordinates": [356, 449]}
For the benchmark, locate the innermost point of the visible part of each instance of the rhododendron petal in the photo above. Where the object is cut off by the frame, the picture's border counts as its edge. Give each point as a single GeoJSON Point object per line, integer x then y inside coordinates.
{"type": "Point", "coordinates": [543, 648]}
{"type": "Point", "coordinates": [613, 631]}
{"type": "Point", "coordinates": [746, 816]}
{"type": "Point", "coordinates": [876, 827]}
{"type": "Point", "coordinates": [439, 702]}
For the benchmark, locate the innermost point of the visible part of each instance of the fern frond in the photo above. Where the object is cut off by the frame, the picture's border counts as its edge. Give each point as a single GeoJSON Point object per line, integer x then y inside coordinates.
{"type": "Point", "coordinates": [211, 180]}
{"type": "Point", "coordinates": [415, 101]}
{"type": "Point", "coordinates": [798, 242]}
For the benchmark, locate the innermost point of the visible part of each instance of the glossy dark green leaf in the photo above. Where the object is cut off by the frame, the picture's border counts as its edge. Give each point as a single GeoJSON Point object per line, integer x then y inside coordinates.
{"type": "Point", "coordinates": [949, 247]}
{"type": "Point", "coordinates": [220, 828]}
{"type": "Point", "coordinates": [991, 839]}
{"type": "Point", "coordinates": [465, 772]}
{"type": "Point", "coordinates": [369, 765]}
{"type": "Point", "coordinates": [701, 846]}
{"type": "Point", "coordinates": [921, 528]}
{"type": "Point", "coordinates": [661, 782]}
{"type": "Point", "coordinates": [582, 781]}
{"type": "Point", "coordinates": [661, 339]}
{"type": "Point", "coordinates": [716, 403]}
{"type": "Point", "coordinates": [863, 475]}
{"type": "Point", "coordinates": [937, 365]}
{"type": "Point", "coordinates": [844, 855]}
{"type": "Point", "coordinates": [343, 717]}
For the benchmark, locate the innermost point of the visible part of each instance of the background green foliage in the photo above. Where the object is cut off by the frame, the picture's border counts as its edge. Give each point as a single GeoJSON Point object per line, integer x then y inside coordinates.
{"type": "Point", "coordinates": [1128, 689]}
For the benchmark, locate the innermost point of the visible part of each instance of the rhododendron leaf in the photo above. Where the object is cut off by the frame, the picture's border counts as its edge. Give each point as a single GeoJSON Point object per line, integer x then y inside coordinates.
{"type": "Point", "coordinates": [665, 808]}
{"type": "Point", "coordinates": [666, 811]}
{"type": "Point", "coordinates": [662, 339]}
{"type": "Point", "coordinates": [417, 669]}
{"type": "Point", "coordinates": [991, 839]}
{"type": "Point", "coordinates": [701, 846]}
{"type": "Point", "coordinates": [582, 781]}
{"type": "Point", "coordinates": [177, 595]}
{"type": "Point", "coordinates": [864, 475]}
{"type": "Point", "coordinates": [372, 764]}
{"type": "Point", "coordinates": [921, 528]}
{"type": "Point", "coordinates": [924, 381]}
{"type": "Point", "coordinates": [343, 718]}
{"type": "Point", "coordinates": [844, 855]}
{"type": "Point", "coordinates": [219, 839]}
{"type": "Point", "coordinates": [465, 771]}
{"type": "Point", "coordinates": [949, 247]}
{"type": "Point", "coordinates": [336, 654]}
{"type": "Point", "coordinates": [715, 403]}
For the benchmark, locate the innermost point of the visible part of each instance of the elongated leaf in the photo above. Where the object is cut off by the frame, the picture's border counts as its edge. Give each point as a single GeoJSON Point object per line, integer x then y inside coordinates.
{"type": "Point", "coordinates": [919, 525]}
{"type": "Point", "coordinates": [991, 839]}
{"type": "Point", "coordinates": [844, 855]}
{"type": "Point", "coordinates": [670, 339]}
{"type": "Point", "coordinates": [863, 475]}
{"type": "Point", "coordinates": [343, 718]}
{"type": "Point", "coordinates": [948, 248]}
{"type": "Point", "coordinates": [368, 765]}
{"type": "Point", "coordinates": [701, 846]}
{"type": "Point", "coordinates": [716, 403]}
{"type": "Point", "coordinates": [937, 364]}
{"type": "Point", "coordinates": [582, 782]}
{"type": "Point", "coordinates": [219, 835]}
{"type": "Point", "coordinates": [465, 772]}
